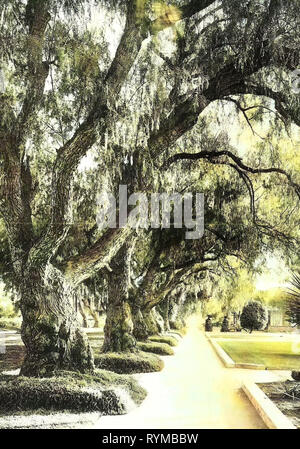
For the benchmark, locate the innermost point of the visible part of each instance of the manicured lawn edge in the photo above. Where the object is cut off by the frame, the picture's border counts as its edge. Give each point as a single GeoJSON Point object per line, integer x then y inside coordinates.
{"type": "Point", "coordinates": [175, 334]}
{"type": "Point", "coordinates": [267, 410]}
{"type": "Point", "coordinates": [227, 360]}
{"type": "Point", "coordinates": [250, 366]}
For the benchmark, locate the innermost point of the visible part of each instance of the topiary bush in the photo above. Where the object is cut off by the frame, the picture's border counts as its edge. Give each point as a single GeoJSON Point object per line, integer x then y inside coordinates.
{"type": "Point", "coordinates": [129, 363]}
{"type": "Point", "coordinates": [164, 339]}
{"type": "Point", "coordinates": [296, 376]}
{"type": "Point", "coordinates": [155, 348]}
{"type": "Point", "coordinates": [254, 316]}
{"type": "Point", "coordinates": [105, 392]}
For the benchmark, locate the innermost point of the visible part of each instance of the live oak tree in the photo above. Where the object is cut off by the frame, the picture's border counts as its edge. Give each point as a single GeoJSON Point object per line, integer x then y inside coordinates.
{"type": "Point", "coordinates": [164, 260]}
{"type": "Point", "coordinates": [66, 92]}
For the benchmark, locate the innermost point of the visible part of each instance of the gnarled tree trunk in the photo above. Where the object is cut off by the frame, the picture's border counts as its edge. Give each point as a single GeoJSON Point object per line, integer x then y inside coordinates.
{"type": "Point", "coordinates": [96, 317]}
{"type": "Point", "coordinates": [164, 311]}
{"type": "Point", "coordinates": [118, 329]}
{"type": "Point", "coordinates": [151, 322]}
{"type": "Point", "coordinates": [140, 329]}
{"type": "Point", "coordinates": [50, 329]}
{"type": "Point", "coordinates": [176, 320]}
{"type": "Point", "coordinates": [82, 311]}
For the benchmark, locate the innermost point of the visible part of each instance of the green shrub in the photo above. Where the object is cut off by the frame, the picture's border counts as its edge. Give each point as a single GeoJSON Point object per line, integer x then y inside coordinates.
{"type": "Point", "coordinates": [181, 332]}
{"type": "Point", "coordinates": [164, 339]}
{"type": "Point", "coordinates": [177, 324]}
{"type": "Point", "coordinates": [7, 308]}
{"type": "Point", "coordinates": [254, 316]}
{"type": "Point", "coordinates": [13, 323]}
{"type": "Point", "coordinates": [10, 317]}
{"type": "Point", "coordinates": [296, 376]}
{"type": "Point", "coordinates": [129, 363]}
{"type": "Point", "coordinates": [101, 391]}
{"type": "Point", "coordinates": [155, 348]}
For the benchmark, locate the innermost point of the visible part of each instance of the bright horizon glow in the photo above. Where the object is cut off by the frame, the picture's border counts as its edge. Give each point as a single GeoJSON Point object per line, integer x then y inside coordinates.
{"type": "Point", "coordinates": [275, 275]}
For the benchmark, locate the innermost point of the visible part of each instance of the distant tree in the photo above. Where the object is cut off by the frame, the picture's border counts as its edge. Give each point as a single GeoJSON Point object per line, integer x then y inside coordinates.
{"type": "Point", "coordinates": [293, 302]}
{"type": "Point", "coordinates": [293, 309]}
{"type": "Point", "coordinates": [254, 316]}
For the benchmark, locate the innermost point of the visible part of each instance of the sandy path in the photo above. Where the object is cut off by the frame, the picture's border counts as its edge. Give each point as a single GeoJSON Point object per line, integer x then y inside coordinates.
{"type": "Point", "coordinates": [193, 391]}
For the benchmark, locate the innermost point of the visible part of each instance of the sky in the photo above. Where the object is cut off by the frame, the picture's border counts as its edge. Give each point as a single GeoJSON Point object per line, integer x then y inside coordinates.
{"type": "Point", "coordinates": [276, 274]}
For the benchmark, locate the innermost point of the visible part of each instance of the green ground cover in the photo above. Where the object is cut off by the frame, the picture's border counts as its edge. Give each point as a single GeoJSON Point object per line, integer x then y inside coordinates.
{"type": "Point", "coordinates": [274, 354]}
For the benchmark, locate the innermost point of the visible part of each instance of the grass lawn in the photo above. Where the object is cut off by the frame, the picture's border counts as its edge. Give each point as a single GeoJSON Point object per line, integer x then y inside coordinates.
{"type": "Point", "coordinates": [283, 355]}
{"type": "Point", "coordinates": [12, 357]}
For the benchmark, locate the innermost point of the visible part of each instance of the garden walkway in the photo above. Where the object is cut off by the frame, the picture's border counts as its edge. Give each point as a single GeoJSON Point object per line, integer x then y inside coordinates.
{"type": "Point", "coordinates": [194, 391]}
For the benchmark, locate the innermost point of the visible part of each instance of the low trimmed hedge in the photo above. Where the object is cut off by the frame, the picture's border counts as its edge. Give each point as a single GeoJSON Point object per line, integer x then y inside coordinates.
{"type": "Point", "coordinates": [180, 332]}
{"type": "Point", "coordinates": [129, 363]}
{"type": "Point", "coordinates": [172, 341]}
{"type": "Point", "coordinates": [155, 348]}
{"type": "Point", "coordinates": [101, 391]}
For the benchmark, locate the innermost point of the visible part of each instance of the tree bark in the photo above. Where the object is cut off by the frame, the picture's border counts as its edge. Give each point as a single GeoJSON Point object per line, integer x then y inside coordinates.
{"type": "Point", "coordinates": [140, 329]}
{"type": "Point", "coordinates": [151, 322]}
{"type": "Point", "coordinates": [96, 317]}
{"type": "Point", "coordinates": [175, 318]}
{"type": "Point", "coordinates": [83, 313]}
{"type": "Point", "coordinates": [164, 311]}
{"type": "Point", "coordinates": [50, 329]}
{"type": "Point", "coordinates": [159, 320]}
{"type": "Point", "coordinates": [118, 329]}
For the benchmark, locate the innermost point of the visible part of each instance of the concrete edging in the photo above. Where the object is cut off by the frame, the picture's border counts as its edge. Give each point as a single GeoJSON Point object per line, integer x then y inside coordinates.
{"type": "Point", "coordinates": [267, 410]}
{"type": "Point", "coordinates": [227, 360]}
{"type": "Point", "coordinates": [250, 366]}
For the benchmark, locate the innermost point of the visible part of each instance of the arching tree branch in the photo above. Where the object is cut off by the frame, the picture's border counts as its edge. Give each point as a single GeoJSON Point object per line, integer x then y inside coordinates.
{"type": "Point", "coordinates": [217, 155]}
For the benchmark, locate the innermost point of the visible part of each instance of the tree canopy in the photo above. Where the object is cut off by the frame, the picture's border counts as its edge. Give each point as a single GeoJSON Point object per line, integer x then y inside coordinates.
{"type": "Point", "coordinates": [139, 92]}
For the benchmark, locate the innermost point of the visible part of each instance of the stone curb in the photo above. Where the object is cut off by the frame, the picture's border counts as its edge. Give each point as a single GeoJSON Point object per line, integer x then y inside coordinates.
{"type": "Point", "coordinates": [250, 366]}
{"type": "Point", "coordinates": [227, 360]}
{"type": "Point", "coordinates": [267, 410]}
